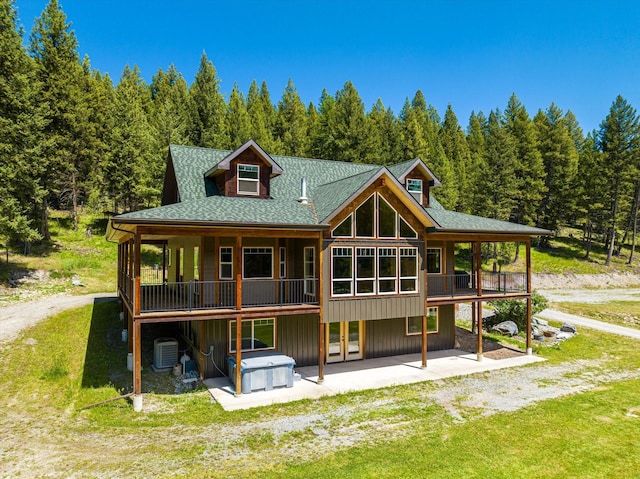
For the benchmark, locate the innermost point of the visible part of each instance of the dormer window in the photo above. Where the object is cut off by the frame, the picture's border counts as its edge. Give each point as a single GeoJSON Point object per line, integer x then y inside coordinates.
{"type": "Point", "coordinates": [248, 179]}
{"type": "Point", "coordinates": [414, 186]}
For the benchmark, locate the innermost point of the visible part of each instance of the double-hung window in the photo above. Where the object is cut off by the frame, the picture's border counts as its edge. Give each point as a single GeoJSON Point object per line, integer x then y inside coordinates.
{"type": "Point", "coordinates": [408, 270]}
{"type": "Point", "coordinates": [342, 271]}
{"type": "Point", "coordinates": [387, 270]}
{"type": "Point", "coordinates": [414, 186]}
{"type": "Point", "coordinates": [248, 179]}
{"type": "Point", "coordinates": [226, 262]}
{"type": "Point", "coordinates": [365, 271]}
{"type": "Point", "coordinates": [309, 270]}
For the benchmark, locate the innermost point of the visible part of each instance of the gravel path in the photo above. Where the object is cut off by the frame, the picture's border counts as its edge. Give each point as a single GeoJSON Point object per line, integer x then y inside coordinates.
{"type": "Point", "coordinates": [590, 295]}
{"type": "Point", "coordinates": [18, 316]}
{"type": "Point", "coordinates": [589, 323]}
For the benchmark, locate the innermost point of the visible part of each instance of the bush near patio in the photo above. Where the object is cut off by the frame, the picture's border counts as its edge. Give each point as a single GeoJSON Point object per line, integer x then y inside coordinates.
{"type": "Point", "coordinates": [514, 310]}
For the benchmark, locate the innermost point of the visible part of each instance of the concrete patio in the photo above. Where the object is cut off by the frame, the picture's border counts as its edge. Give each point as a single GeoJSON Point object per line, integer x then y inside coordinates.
{"type": "Point", "coordinates": [366, 374]}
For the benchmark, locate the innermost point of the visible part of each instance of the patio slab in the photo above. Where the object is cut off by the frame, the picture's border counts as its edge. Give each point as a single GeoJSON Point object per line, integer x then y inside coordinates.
{"type": "Point", "coordinates": [366, 374]}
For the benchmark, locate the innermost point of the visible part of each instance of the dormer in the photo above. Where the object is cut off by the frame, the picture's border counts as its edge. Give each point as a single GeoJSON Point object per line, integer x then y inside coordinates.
{"type": "Point", "coordinates": [247, 171]}
{"type": "Point", "coordinates": [418, 179]}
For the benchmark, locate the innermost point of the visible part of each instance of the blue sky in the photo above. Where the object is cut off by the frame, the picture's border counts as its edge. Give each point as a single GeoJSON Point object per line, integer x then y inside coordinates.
{"type": "Point", "coordinates": [471, 54]}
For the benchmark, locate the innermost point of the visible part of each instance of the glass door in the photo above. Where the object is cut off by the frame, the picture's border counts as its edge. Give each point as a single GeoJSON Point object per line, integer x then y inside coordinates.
{"type": "Point", "coordinates": [344, 341]}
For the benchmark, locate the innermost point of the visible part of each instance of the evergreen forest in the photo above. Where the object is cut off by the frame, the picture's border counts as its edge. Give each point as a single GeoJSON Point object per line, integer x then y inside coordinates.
{"type": "Point", "coordinates": [72, 138]}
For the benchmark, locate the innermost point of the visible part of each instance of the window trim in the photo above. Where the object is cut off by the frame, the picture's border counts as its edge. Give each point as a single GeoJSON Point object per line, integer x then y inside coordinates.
{"type": "Point", "coordinates": [244, 249]}
{"type": "Point", "coordinates": [416, 277]}
{"type": "Point", "coordinates": [427, 260]}
{"type": "Point", "coordinates": [282, 262]}
{"type": "Point", "coordinates": [252, 321]}
{"type": "Point", "coordinates": [396, 225]}
{"type": "Point", "coordinates": [309, 279]}
{"type": "Point", "coordinates": [387, 278]}
{"type": "Point", "coordinates": [252, 180]}
{"type": "Point", "coordinates": [220, 262]}
{"type": "Point", "coordinates": [415, 181]}
{"type": "Point", "coordinates": [419, 333]}
{"type": "Point", "coordinates": [415, 233]}
{"type": "Point", "coordinates": [333, 279]}
{"type": "Point", "coordinates": [349, 216]}
{"type": "Point", "coordinates": [375, 271]}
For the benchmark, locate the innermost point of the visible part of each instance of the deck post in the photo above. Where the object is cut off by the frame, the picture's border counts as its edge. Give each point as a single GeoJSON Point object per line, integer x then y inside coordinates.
{"type": "Point", "coordinates": [238, 268]}
{"type": "Point", "coordinates": [137, 366]}
{"type": "Point", "coordinates": [479, 267]}
{"type": "Point", "coordinates": [319, 292]}
{"type": "Point", "coordinates": [321, 340]}
{"type": "Point", "coordinates": [528, 259]}
{"type": "Point", "coordinates": [479, 348]}
{"type": "Point", "coordinates": [424, 341]}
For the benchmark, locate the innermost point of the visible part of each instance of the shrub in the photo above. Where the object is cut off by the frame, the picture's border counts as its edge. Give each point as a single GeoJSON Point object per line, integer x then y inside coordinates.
{"type": "Point", "coordinates": [515, 310]}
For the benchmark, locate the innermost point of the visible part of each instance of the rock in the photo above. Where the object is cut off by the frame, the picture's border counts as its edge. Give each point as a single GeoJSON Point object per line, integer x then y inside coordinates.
{"type": "Point", "coordinates": [562, 335]}
{"type": "Point", "coordinates": [539, 322]}
{"type": "Point", "coordinates": [508, 328]}
{"type": "Point", "coordinates": [569, 328]}
{"type": "Point", "coordinates": [549, 333]}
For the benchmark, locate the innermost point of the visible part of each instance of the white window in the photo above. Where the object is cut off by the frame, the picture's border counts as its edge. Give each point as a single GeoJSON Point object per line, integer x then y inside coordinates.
{"type": "Point", "coordinates": [248, 179]}
{"type": "Point", "coordinates": [434, 260]}
{"type": "Point", "coordinates": [344, 229]}
{"type": "Point", "coordinates": [406, 231]}
{"type": "Point", "coordinates": [342, 271]}
{"type": "Point", "coordinates": [414, 323]}
{"type": "Point", "coordinates": [257, 263]}
{"type": "Point", "coordinates": [414, 186]}
{"type": "Point", "coordinates": [387, 219]}
{"type": "Point", "coordinates": [257, 334]}
{"type": "Point", "coordinates": [365, 271]}
{"type": "Point", "coordinates": [408, 270]}
{"type": "Point", "coordinates": [387, 270]}
{"type": "Point", "coordinates": [309, 270]}
{"type": "Point", "coordinates": [283, 262]}
{"type": "Point", "coordinates": [226, 262]}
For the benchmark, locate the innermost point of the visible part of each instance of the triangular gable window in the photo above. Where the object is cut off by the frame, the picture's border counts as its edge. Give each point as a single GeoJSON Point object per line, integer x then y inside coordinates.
{"type": "Point", "coordinates": [344, 229]}
{"type": "Point", "coordinates": [406, 231]}
{"type": "Point", "coordinates": [365, 218]}
{"type": "Point", "coordinates": [386, 219]}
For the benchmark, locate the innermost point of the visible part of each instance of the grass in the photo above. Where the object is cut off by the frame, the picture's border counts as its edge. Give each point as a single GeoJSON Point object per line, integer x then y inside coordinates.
{"type": "Point", "coordinates": [622, 313]}
{"type": "Point", "coordinates": [76, 358]}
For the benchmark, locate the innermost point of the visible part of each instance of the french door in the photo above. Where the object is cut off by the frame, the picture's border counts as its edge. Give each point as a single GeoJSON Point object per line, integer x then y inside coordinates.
{"type": "Point", "coordinates": [344, 341]}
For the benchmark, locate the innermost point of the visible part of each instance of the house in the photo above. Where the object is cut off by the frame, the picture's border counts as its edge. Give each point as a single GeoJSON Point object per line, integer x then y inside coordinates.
{"type": "Point", "coordinates": [320, 260]}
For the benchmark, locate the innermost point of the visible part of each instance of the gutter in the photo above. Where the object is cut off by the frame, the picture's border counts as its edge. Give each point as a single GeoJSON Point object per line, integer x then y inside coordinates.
{"type": "Point", "coordinates": [227, 224]}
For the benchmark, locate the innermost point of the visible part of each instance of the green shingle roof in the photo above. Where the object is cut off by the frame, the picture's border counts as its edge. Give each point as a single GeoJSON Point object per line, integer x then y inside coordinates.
{"type": "Point", "coordinates": [329, 185]}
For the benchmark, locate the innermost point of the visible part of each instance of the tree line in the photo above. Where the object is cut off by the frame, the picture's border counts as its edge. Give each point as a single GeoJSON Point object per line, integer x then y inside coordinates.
{"type": "Point", "coordinates": [69, 137]}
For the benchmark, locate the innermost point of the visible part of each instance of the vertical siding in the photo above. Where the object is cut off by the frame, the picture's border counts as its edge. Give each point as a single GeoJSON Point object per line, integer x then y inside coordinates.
{"type": "Point", "coordinates": [297, 336]}
{"type": "Point", "coordinates": [386, 337]}
{"type": "Point", "coordinates": [215, 333]}
{"type": "Point", "coordinates": [209, 259]}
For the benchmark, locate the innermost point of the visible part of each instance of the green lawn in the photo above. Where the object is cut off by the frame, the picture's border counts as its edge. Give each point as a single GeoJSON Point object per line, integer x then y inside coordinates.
{"type": "Point", "coordinates": [622, 313]}
{"type": "Point", "coordinates": [76, 358]}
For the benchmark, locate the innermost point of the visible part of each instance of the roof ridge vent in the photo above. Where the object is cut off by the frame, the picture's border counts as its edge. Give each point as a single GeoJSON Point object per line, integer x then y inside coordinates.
{"type": "Point", "coordinates": [303, 192]}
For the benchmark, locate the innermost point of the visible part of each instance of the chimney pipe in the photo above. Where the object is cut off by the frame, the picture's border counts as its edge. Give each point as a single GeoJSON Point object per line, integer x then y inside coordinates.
{"type": "Point", "coordinates": [303, 194]}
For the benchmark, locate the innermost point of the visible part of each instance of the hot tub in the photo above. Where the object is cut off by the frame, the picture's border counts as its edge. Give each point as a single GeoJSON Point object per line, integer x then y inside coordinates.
{"type": "Point", "coordinates": [263, 370]}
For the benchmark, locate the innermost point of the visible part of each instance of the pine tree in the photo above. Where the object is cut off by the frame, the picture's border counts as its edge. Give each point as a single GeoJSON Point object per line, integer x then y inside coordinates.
{"type": "Point", "coordinates": [560, 159]}
{"type": "Point", "coordinates": [237, 119]}
{"type": "Point", "coordinates": [129, 179]}
{"type": "Point", "coordinates": [382, 140]}
{"type": "Point", "coordinates": [209, 108]}
{"type": "Point", "coordinates": [346, 127]}
{"type": "Point", "coordinates": [619, 140]}
{"type": "Point", "coordinates": [291, 123]}
{"type": "Point", "coordinates": [529, 168]}
{"type": "Point", "coordinates": [20, 125]}
{"type": "Point", "coordinates": [456, 151]}
{"type": "Point", "coordinates": [477, 194]}
{"type": "Point", "coordinates": [53, 46]}
{"type": "Point", "coordinates": [322, 145]}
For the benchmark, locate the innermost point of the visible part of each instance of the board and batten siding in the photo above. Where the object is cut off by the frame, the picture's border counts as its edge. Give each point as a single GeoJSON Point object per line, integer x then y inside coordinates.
{"type": "Point", "coordinates": [215, 333]}
{"type": "Point", "coordinates": [387, 337]}
{"type": "Point", "coordinates": [297, 337]}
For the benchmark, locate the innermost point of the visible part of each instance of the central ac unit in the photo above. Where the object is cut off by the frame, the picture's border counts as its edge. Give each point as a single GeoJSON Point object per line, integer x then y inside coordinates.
{"type": "Point", "coordinates": [165, 353]}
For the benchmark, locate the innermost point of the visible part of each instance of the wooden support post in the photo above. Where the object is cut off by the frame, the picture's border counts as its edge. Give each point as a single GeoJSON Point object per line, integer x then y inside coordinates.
{"type": "Point", "coordinates": [164, 263]}
{"type": "Point", "coordinates": [321, 354]}
{"type": "Point", "coordinates": [529, 290]}
{"type": "Point", "coordinates": [424, 341]}
{"type": "Point", "coordinates": [129, 330]}
{"type": "Point", "coordinates": [474, 318]}
{"type": "Point", "coordinates": [238, 268]}
{"type": "Point", "coordinates": [320, 296]}
{"type": "Point", "coordinates": [479, 267]}
{"type": "Point", "coordinates": [238, 357]}
{"type": "Point", "coordinates": [136, 273]}
{"type": "Point", "coordinates": [137, 361]}
{"type": "Point", "coordinates": [479, 348]}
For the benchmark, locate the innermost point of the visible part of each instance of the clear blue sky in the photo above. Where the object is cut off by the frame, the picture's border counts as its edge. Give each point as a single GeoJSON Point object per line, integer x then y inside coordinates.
{"type": "Point", "coordinates": [472, 54]}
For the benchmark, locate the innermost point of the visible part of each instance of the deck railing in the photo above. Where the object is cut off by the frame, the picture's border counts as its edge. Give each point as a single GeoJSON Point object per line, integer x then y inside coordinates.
{"type": "Point", "coordinates": [464, 284]}
{"type": "Point", "coordinates": [202, 295]}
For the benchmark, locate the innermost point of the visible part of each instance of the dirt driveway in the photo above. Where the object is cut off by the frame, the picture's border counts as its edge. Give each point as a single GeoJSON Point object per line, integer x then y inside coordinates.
{"type": "Point", "coordinates": [18, 316]}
